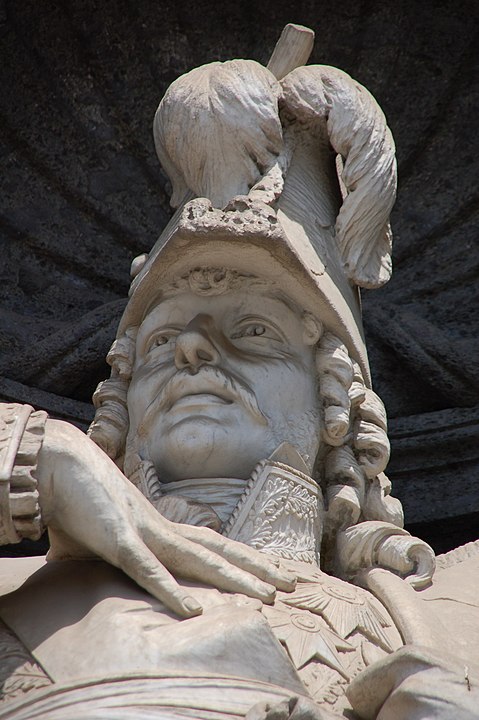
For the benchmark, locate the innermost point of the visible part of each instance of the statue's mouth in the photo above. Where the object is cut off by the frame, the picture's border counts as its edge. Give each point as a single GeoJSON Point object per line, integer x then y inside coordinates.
{"type": "Point", "coordinates": [198, 399]}
{"type": "Point", "coordinates": [210, 385]}
{"type": "Point", "coordinates": [199, 389]}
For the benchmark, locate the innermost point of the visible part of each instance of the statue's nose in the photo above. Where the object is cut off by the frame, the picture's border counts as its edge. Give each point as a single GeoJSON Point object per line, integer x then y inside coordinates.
{"type": "Point", "coordinates": [194, 345]}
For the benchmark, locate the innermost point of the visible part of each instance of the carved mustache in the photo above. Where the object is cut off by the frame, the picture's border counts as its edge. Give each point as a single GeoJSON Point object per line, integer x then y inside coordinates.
{"type": "Point", "coordinates": [209, 380]}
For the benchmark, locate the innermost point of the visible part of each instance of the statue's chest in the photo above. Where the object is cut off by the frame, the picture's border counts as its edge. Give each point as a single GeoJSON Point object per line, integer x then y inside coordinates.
{"type": "Point", "coordinates": [331, 631]}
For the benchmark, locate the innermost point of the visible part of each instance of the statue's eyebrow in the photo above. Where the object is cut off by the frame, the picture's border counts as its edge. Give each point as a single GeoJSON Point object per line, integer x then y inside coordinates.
{"type": "Point", "coordinates": [286, 301]}
{"type": "Point", "coordinates": [149, 326]}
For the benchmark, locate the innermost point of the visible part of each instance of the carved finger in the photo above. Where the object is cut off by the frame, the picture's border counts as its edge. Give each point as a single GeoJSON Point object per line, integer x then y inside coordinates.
{"type": "Point", "coordinates": [242, 556]}
{"type": "Point", "coordinates": [195, 562]}
{"type": "Point", "coordinates": [137, 561]}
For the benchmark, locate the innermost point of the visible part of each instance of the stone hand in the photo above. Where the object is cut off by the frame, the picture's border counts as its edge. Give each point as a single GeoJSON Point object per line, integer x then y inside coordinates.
{"type": "Point", "coordinates": [92, 509]}
{"type": "Point", "coordinates": [295, 708]}
{"type": "Point", "coordinates": [414, 683]}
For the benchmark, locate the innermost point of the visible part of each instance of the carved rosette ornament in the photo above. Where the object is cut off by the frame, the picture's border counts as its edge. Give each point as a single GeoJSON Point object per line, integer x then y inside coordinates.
{"type": "Point", "coordinates": [331, 630]}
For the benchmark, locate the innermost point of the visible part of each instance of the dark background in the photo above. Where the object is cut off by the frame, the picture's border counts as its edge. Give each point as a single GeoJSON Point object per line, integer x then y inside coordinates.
{"type": "Point", "coordinates": [82, 193]}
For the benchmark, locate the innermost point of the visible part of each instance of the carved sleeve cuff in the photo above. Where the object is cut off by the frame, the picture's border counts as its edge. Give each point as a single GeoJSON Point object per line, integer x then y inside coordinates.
{"type": "Point", "coordinates": [21, 436]}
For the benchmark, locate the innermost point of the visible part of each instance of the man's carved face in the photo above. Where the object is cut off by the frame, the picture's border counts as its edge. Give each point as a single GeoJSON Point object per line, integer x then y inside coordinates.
{"type": "Point", "coordinates": [220, 382]}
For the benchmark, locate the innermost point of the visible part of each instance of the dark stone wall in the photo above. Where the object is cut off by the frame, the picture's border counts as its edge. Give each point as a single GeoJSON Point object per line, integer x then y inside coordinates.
{"type": "Point", "coordinates": [82, 193]}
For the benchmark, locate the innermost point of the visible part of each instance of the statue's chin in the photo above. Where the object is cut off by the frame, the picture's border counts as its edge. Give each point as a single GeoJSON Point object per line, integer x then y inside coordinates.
{"type": "Point", "coordinates": [226, 444]}
{"type": "Point", "coordinates": [204, 462]}
{"type": "Point", "coordinates": [218, 464]}
{"type": "Point", "coordinates": [206, 449]}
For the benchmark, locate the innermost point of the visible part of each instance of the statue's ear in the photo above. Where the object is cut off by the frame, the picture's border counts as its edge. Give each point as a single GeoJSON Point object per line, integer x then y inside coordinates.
{"type": "Point", "coordinates": [357, 131]}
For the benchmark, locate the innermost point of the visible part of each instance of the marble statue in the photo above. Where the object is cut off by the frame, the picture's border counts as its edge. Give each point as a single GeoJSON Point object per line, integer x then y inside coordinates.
{"type": "Point", "coordinates": [224, 544]}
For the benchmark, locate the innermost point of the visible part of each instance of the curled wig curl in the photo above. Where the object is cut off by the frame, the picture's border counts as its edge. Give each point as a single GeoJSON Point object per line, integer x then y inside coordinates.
{"type": "Point", "coordinates": [354, 432]}
{"type": "Point", "coordinates": [111, 422]}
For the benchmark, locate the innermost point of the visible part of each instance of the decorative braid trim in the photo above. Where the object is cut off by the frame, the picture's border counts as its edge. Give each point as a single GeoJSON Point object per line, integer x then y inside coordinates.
{"type": "Point", "coordinates": [229, 524]}
{"type": "Point", "coordinates": [21, 435]}
{"type": "Point", "coordinates": [278, 513]}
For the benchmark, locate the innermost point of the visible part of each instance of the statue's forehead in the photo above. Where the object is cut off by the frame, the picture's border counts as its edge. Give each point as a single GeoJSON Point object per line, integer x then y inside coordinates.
{"type": "Point", "coordinates": [183, 306]}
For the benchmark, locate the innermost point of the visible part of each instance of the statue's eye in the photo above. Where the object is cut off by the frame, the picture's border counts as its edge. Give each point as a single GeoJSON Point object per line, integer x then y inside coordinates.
{"type": "Point", "coordinates": [254, 330]}
{"type": "Point", "coordinates": [160, 341]}
{"type": "Point", "coordinates": [250, 330]}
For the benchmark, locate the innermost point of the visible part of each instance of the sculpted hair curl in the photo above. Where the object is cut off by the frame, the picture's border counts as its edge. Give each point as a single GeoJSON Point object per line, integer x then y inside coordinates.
{"type": "Point", "coordinates": [355, 435]}
{"type": "Point", "coordinates": [110, 424]}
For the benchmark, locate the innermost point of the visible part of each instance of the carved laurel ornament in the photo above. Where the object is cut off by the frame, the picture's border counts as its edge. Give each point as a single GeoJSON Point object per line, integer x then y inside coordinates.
{"type": "Point", "coordinates": [278, 513]}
